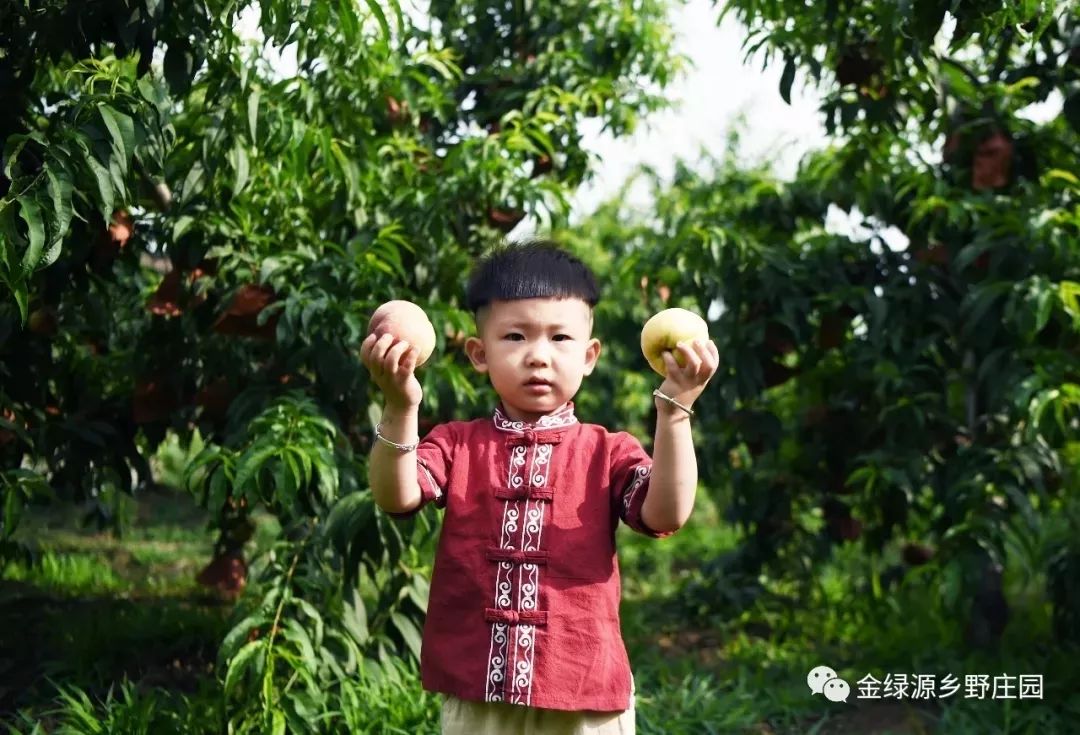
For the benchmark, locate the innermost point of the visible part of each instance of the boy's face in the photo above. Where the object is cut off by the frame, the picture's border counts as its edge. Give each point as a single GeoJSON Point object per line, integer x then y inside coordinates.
{"type": "Point", "coordinates": [536, 350]}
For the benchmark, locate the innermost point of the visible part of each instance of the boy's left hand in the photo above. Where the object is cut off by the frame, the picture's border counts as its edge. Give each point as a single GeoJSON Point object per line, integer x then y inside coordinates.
{"type": "Point", "coordinates": [685, 383]}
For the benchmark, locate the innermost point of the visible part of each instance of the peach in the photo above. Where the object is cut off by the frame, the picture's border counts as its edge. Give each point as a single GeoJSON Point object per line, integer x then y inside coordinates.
{"type": "Point", "coordinates": [666, 329]}
{"type": "Point", "coordinates": [407, 322]}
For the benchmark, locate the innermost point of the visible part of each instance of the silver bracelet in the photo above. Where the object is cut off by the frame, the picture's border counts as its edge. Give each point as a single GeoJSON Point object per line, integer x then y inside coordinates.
{"type": "Point", "coordinates": [672, 401]}
{"type": "Point", "coordinates": [403, 448]}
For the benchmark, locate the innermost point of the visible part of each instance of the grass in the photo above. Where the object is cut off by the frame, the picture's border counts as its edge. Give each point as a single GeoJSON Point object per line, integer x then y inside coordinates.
{"type": "Point", "coordinates": [748, 674]}
{"type": "Point", "coordinates": [90, 610]}
{"type": "Point", "coordinates": [113, 636]}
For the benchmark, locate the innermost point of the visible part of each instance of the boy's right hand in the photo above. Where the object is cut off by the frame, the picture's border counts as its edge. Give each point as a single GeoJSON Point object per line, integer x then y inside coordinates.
{"type": "Point", "coordinates": [393, 368]}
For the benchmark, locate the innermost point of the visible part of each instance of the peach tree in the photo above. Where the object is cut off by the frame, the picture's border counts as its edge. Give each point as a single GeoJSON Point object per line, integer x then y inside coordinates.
{"type": "Point", "coordinates": [192, 238]}
{"type": "Point", "coordinates": [908, 382]}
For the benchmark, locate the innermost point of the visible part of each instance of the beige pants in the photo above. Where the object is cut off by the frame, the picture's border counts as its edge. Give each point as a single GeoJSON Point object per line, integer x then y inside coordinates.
{"type": "Point", "coordinates": [463, 717]}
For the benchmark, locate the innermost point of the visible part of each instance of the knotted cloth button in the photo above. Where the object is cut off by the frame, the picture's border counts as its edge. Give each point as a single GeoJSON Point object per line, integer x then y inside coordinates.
{"type": "Point", "coordinates": [516, 617]}
{"type": "Point", "coordinates": [530, 436]}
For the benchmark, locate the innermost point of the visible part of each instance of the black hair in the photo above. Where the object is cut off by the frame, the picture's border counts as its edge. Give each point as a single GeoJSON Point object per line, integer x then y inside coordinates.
{"type": "Point", "coordinates": [528, 270]}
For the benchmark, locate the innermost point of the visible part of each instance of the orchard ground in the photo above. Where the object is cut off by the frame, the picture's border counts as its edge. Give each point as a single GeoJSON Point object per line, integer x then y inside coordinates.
{"type": "Point", "coordinates": [115, 631]}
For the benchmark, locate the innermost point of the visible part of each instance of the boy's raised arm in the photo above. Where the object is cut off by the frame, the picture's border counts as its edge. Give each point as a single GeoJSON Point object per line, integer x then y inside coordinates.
{"type": "Point", "coordinates": [392, 472]}
{"type": "Point", "coordinates": [673, 482]}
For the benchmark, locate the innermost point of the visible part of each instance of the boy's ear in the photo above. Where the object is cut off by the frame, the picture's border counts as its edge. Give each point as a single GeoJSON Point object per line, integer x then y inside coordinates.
{"type": "Point", "coordinates": [474, 348]}
{"type": "Point", "coordinates": [592, 354]}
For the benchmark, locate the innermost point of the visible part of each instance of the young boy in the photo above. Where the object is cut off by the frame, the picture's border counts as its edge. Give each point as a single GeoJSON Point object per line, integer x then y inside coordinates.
{"type": "Point", "coordinates": [524, 604]}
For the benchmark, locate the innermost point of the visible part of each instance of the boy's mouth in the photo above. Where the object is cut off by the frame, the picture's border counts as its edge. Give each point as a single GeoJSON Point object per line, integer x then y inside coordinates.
{"type": "Point", "coordinates": [537, 381]}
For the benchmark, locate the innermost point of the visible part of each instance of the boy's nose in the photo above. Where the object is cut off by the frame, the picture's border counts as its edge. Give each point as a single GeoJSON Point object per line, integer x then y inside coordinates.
{"type": "Point", "coordinates": [538, 355]}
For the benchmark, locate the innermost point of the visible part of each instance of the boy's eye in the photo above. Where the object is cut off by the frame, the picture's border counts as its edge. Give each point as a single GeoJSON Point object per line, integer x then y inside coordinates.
{"type": "Point", "coordinates": [560, 337]}
{"type": "Point", "coordinates": [514, 336]}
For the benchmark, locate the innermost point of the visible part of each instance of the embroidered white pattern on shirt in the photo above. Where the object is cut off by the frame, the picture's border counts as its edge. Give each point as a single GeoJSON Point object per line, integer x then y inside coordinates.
{"type": "Point", "coordinates": [563, 417]}
{"type": "Point", "coordinates": [641, 474]}
{"type": "Point", "coordinates": [517, 461]}
{"type": "Point", "coordinates": [504, 584]}
{"type": "Point", "coordinates": [435, 485]}
{"type": "Point", "coordinates": [529, 580]}
{"type": "Point", "coordinates": [496, 662]}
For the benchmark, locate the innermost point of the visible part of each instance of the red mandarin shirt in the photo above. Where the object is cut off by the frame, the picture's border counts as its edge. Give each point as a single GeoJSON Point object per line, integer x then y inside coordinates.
{"type": "Point", "coordinates": [524, 603]}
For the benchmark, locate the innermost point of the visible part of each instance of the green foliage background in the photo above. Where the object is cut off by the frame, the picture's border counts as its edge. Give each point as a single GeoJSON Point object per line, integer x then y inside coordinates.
{"type": "Point", "coordinates": [190, 245]}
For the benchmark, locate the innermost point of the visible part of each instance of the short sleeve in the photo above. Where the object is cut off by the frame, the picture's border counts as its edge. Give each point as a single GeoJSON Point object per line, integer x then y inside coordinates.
{"type": "Point", "coordinates": [433, 458]}
{"type": "Point", "coordinates": [629, 470]}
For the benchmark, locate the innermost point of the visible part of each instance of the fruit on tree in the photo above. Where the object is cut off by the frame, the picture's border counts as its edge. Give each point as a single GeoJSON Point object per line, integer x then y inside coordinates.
{"type": "Point", "coordinates": [241, 318]}
{"type": "Point", "coordinates": [503, 219]}
{"type": "Point", "coordinates": [663, 291]}
{"type": "Point", "coordinates": [916, 554]}
{"type": "Point", "coordinates": [121, 226]}
{"type": "Point", "coordinates": [170, 298]}
{"type": "Point", "coordinates": [153, 400]}
{"type": "Point", "coordinates": [857, 65]}
{"type": "Point", "coordinates": [666, 329]}
{"type": "Point", "coordinates": [542, 164]}
{"type": "Point", "coordinates": [42, 322]}
{"type": "Point", "coordinates": [992, 164]}
{"type": "Point", "coordinates": [407, 322]}
{"type": "Point", "coordinates": [215, 398]}
{"type": "Point", "coordinates": [779, 338]}
{"type": "Point", "coordinates": [397, 111]}
{"type": "Point", "coordinates": [226, 574]}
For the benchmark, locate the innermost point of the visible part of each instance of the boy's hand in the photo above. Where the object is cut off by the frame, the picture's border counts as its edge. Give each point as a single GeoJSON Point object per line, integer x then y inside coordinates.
{"type": "Point", "coordinates": [392, 367]}
{"type": "Point", "coordinates": [685, 383]}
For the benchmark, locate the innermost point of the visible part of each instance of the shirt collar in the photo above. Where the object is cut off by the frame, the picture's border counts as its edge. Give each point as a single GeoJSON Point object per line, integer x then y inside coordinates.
{"type": "Point", "coordinates": [557, 419]}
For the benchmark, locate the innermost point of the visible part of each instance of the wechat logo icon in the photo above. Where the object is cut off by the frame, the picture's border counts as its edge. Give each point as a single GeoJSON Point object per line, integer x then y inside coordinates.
{"type": "Point", "coordinates": [823, 680]}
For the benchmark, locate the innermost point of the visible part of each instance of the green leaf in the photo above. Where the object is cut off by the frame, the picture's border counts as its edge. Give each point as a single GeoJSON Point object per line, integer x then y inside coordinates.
{"type": "Point", "coordinates": [12, 148]}
{"type": "Point", "coordinates": [1044, 308]}
{"type": "Point", "coordinates": [241, 662]}
{"type": "Point", "coordinates": [348, 167]}
{"type": "Point", "coordinates": [308, 609]}
{"type": "Point", "coordinates": [327, 477]}
{"type": "Point", "coordinates": [786, 80]}
{"type": "Point", "coordinates": [1069, 293]}
{"type": "Point", "coordinates": [354, 618]}
{"type": "Point", "coordinates": [971, 252]}
{"type": "Point", "coordinates": [179, 66]}
{"type": "Point", "coordinates": [976, 304]}
{"type": "Point", "coordinates": [60, 188]}
{"type": "Point", "coordinates": [347, 17]}
{"type": "Point", "coordinates": [30, 213]}
{"type": "Point", "coordinates": [449, 72]}
{"type": "Point", "coordinates": [419, 590]}
{"type": "Point", "coordinates": [289, 460]}
{"type": "Point", "coordinates": [219, 489]}
{"type": "Point", "coordinates": [253, 114]}
{"type": "Point", "coordinates": [103, 180]}
{"type": "Point", "coordinates": [182, 225]}
{"type": "Point", "coordinates": [122, 130]}
{"type": "Point", "coordinates": [927, 20]}
{"type": "Point", "coordinates": [377, 11]}
{"type": "Point", "coordinates": [13, 506]}
{"type": "Point", "coordinates": [242, 167]}
{"type": "Point", "coordinates": [1057, 173]}
{"type": "Point", "coordinates": [22, 298]}
{"type": "Point", "coordinates": [118, 177]}
{"type": "Point", "coordinates": [240, 633]}
{"type": "Point", "coordinates": [295, 632]}
{"type": "Point", "coordinates": [252, 461]}
{"type": "Point", "coordinates": [194, 182]}
{"type": "Point", "coordinates": [409, 633]}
